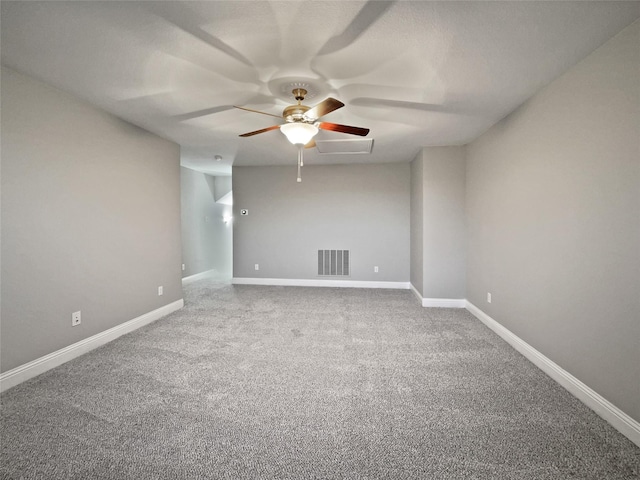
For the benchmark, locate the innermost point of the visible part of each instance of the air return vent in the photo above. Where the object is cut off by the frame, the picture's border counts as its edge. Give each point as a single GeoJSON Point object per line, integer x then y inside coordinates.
{"type": "Point", "coordinates": [333, 263]}
{"type": "Point", "coordinates": [349, 146]}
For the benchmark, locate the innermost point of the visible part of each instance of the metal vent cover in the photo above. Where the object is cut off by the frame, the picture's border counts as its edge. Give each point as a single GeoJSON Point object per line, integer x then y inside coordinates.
{"type": "Point", "coordinates": [349, 146]}
{"type": "Point", "coordinates": [333, 263]}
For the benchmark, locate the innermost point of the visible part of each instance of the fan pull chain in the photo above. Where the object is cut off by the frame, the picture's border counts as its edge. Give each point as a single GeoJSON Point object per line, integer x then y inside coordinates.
{"type": "Point", "coordinates": [300, 163]}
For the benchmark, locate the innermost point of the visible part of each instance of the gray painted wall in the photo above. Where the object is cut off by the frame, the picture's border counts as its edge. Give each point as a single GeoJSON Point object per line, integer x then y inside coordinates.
{"type": "Point", "coordinates": [363, 208]}
{"type": "Point", "coordinates": [222, 187]}
{"type": "Point", "coordinates": [553, 204]}
{"type": "Point", "coordinates": [206, 239]}
{"type": "Point", "coordinates": [444, 222]}
{"type": "Point", "coordinates": [438, 269]}
{"type": "Point", "coordinates": [417, 223]}
{"type": "Point", "coordinates": [90, 220]}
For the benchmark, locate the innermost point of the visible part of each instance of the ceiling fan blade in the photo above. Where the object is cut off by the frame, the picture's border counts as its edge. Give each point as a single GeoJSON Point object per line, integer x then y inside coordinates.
{"type": "Point", "coordinates": [334, 127]}
{"type": "Point", "coordinates": [324, 107]}
{"type": "Point", "coordinates": [250, 134]}
{"type": "Point", "coordinates": [311, 144]}
{"type": "Point", "coordinates": [201, 113]}
{"type": "Point", "coordinates": [258, 111]}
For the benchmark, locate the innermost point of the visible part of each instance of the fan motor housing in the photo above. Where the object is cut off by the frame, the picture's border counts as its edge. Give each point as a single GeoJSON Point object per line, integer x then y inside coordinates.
{"type": "Point", "coordinates": [295, 113]}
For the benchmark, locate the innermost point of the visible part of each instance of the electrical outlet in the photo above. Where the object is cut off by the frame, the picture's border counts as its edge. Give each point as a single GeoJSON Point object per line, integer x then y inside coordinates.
{"type": "Point", "coordinates": [257, 267]}
{"type": "Point", "coordinates": [183, 267]}
{"type": "Point", "coordinates": [375, 269]}
{"type": "Point", "coordinates": [160, 290]}
{"type": "Point", "coordinates": [488, 297]}
{"type": "Point", "coordinates": [76, 319]}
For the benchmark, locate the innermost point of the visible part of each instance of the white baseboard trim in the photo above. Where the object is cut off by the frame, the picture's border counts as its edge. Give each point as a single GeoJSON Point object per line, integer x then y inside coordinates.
{"type": "Point", "coordinates": [415, 292]}
{"type": "Point", "coordinates": [198, 276]}
{"type": "Point", "coordinates": [622, 422]}
{"type": "Point", "coordinates": [439, 302]}
{"type": "Point", "coordinates": [292, 282]}
{"type": "Point", "coordinates": [40, 365]}
{"type": "Point", "coordinates": [444, 302]}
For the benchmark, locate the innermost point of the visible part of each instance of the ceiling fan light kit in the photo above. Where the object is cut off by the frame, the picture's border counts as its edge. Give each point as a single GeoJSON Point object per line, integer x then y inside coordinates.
{"type": "Point", "coordinates": [299, 133]}
{"type": "Point", "coordinates": [301, 123]}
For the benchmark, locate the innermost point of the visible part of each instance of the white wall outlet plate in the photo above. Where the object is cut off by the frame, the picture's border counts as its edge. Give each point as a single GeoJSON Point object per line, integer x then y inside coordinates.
{"type": "Point", "coordinates": [488, 297]}
{"type": "Point", "coordinates": [160, 290]}
{"type": "Point", "coordinates": [76, 318]}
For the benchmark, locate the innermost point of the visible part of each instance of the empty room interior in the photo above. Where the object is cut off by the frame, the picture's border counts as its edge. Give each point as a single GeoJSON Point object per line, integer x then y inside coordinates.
{"type": "Point", "coordinates": [317, 239]}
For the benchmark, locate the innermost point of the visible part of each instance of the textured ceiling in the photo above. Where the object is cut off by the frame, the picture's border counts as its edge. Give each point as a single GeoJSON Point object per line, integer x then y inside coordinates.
{"type": "Point", "coordinates": [415, 73]}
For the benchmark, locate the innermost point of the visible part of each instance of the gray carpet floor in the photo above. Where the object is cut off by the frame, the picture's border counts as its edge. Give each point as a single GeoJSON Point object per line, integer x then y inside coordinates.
{"type": "Point", "coordinates": [302, 383]}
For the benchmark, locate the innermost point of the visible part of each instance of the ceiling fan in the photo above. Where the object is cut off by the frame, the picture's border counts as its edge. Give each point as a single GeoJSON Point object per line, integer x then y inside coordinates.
{"type": "Point", "coordinates": [299, 114]}
{"type": "Point", "coordinates": [301, 122]}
